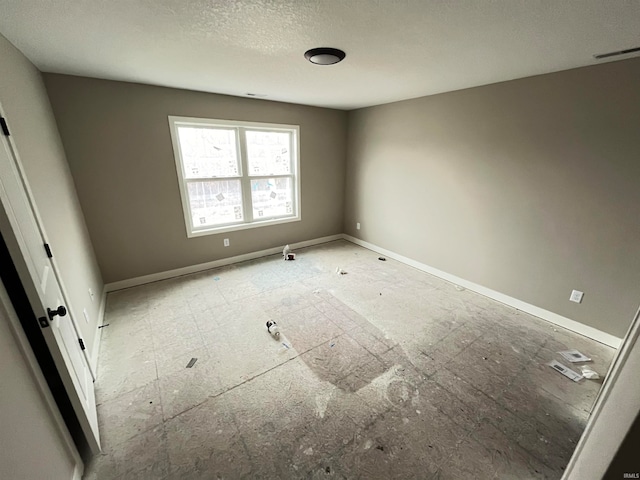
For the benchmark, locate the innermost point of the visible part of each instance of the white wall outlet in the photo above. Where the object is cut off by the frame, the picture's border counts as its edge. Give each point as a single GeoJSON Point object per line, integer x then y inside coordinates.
{"type": "Point", "coordinates": [576, 296]}
{"type": "Point", "coordinates": [358, 226]}
{"type": "Point", "coordinates": [91, 294]}
{"type": "Point", "coordinates": [86, 315]}
{"type": "Point", "coordinates": [226, 242]}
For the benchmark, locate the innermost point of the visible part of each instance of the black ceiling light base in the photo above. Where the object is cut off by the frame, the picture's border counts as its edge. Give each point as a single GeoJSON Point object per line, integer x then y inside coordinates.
{"type": "Point", "coordinates": [324, 56]}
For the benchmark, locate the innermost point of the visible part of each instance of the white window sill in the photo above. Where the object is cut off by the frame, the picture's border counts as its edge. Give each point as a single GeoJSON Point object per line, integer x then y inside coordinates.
{"type": "Point", "coordinates": [242, 226]}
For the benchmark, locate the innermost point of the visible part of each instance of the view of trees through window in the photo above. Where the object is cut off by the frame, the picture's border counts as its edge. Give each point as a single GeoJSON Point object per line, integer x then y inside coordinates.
{"type": "Point", "coordinates": [232, 175]}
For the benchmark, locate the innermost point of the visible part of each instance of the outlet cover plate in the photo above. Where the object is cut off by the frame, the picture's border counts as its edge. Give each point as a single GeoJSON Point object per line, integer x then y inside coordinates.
{"type": "Point", "coordinates": [576, 296]}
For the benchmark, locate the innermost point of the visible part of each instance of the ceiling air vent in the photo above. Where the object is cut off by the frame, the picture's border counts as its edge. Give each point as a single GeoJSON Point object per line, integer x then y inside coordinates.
{"type": "Point", "coordinates": [615, 54]}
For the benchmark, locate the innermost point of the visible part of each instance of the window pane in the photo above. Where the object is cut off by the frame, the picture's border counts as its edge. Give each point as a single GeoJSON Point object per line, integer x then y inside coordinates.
{"type": "Point", "coordinates": [272, 197]}
{"type": "Point", "coordinates": [208, 152]}
{"type": "Point", "coordinates": [215, 203]}
{"type": "Point", "coordinates": [268, 153]}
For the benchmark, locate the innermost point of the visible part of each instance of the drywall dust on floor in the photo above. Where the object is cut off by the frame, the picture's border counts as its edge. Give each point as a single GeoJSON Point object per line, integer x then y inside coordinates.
{"type": "Point", "coordinates": [386, 372]}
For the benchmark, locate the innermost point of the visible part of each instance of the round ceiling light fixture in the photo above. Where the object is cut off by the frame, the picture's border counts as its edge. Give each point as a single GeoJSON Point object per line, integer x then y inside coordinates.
{"type": "Point", "coordinates": [324, 56]}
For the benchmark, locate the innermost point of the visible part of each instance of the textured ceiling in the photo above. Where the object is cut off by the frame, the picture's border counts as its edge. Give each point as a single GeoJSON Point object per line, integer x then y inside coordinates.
{"type": "Point", "coordinates": [396, 49]}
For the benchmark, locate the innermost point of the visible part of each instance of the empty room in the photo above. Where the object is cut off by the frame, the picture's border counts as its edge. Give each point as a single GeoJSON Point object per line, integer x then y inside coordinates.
{"type": "Point", "coordinates": [319, 239]}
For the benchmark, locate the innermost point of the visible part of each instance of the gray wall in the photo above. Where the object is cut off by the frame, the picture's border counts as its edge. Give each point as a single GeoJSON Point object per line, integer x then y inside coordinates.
{"type": "Point", "coordinates": [33, 128]}
{"type": "Point", "coordinates": [116, 136]}
{"type": "Point", "coordinates": [528, 187]}
{"type": "Point", "coordinates": [30, 443]}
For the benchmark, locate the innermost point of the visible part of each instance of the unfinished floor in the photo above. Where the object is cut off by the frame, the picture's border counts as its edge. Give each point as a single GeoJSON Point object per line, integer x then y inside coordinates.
{"type": "Point", "coordinates": [384, 372]}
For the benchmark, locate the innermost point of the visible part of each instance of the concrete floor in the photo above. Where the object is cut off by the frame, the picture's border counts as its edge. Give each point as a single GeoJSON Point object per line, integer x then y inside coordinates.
{"type": "Point", "coordinates": [382, 373]}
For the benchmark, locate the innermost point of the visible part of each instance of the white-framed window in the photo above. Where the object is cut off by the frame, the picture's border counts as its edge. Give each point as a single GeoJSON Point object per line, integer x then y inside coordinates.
{"type": "Point", "coordinates": [235, 175]}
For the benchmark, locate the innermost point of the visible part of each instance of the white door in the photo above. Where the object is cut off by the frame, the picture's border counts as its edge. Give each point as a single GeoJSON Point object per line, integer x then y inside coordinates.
{"type": "Point", "coordinates": [40, 282]}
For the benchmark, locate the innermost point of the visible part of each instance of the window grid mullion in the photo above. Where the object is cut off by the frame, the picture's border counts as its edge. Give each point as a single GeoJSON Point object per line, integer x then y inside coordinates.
{"type": "Point", "coordinates": [258, 177]}
{"type": "Point", "coordinates": [210, 179]}
{"type": "Point", "coordinates": [245, 180]}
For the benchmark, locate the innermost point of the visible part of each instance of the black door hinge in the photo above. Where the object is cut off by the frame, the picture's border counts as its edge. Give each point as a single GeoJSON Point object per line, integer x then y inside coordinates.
{"type": "Point", "coordinates": [47, 249]}
{"type": "Point", "coordinates": [44, 323]}
{"type": "Point", "coordinates": [5, 127]}
{"type": "Point", "coordinates": [81, 344]}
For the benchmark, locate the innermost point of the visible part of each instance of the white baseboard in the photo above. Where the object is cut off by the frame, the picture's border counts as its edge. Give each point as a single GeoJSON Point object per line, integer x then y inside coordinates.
{"type": "Point", "coordinates": [154, 277]}
{"type": "Point", "coordinates": [547, 315]}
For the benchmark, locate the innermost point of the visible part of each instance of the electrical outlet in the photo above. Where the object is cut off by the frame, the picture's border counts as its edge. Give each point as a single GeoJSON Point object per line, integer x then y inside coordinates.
{"type": "Point", "coordinates": [576, 296]}
{"type": "Point", "coordinates": [86, 315]}
{"type": "Point", "coordinates": [226, 242]}
{"type": "Point", "coordinates": [358, 226]}
{"type": "Point", "coordinates": [91, 294]}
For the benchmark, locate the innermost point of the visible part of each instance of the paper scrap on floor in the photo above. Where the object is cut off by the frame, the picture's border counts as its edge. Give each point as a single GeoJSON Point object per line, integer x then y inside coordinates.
{"type": "Point", "coordinates": [574, 356]}
{"type": "Point", "coordinates": [567, 372]}
{"type": "Point", "coordinates": [589, 373]}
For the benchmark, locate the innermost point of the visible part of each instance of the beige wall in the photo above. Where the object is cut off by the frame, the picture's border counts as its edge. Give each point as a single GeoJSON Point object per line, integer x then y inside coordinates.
{"type": "Point", "coordinates": [116, 136]}
{"type": "Point", "coordinates": [33, 128]}
{"type": "Point", "coordinates": [31, 445]}
{"type": "Point", "coordinates": [528, 187]}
